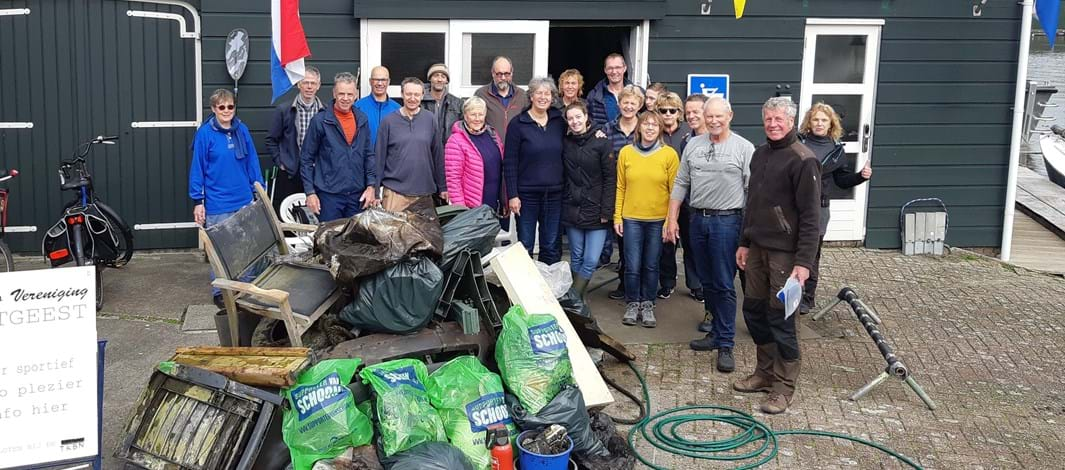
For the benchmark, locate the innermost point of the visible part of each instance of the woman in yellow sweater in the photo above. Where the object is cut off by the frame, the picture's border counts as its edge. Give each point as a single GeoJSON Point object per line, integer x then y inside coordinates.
{"type": "Point", "coordinates": [646, 169]}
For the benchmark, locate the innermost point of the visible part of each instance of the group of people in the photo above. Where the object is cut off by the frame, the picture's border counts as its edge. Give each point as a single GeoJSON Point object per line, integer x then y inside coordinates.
{"type": "Point", "coordinates": [642, 169]}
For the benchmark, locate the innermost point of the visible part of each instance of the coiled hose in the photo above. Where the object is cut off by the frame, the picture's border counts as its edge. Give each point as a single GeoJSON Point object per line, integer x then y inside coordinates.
{"type": "Point", "coordinates": [661, 430]}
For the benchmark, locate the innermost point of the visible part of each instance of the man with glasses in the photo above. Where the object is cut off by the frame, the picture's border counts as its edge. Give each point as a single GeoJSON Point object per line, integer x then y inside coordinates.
{"type": "Point", "coordinates": [503, 99]}
{"type": "Point", "coordinates": [287, 131]}
{"type": "Point", "coordinates": [377, 105]}
{"type": "Point", "coordinates": [713, 175]}
{"type": "Point", "coordinates": [603, 99]}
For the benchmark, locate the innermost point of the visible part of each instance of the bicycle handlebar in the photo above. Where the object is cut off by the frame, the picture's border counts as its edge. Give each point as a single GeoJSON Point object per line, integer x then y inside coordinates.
{"type": "Point", "coordinates": [7, 174]}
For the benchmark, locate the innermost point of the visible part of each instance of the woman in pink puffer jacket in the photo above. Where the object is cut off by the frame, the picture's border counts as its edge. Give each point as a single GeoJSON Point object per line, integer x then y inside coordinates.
{"type": "Point", "coordinates": [473, 159]}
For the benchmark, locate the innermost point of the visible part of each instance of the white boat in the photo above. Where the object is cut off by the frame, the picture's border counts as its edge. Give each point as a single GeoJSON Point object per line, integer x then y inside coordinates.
{"type": "Point", "coordinates": [1053, 147]}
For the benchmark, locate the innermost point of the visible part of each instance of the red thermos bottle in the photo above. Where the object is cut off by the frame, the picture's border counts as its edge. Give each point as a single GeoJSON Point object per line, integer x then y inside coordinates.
{"type": "Point", "coordinates": [502, 452]}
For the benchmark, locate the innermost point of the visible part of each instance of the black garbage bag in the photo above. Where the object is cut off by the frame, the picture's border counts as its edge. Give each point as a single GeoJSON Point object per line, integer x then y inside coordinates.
{"type": "Point", "coordinates": [621, 456]}
{"type": "Point", "coordinates": [475, 229]}
{"type": "Point", "coordinates": [566, 409]}
{"type": "Point", "coordinates": [374, 240]}
{"type": "Point", "coordinates": [398, 300]}
{"type": "Point", "coordinates": [429, 456]}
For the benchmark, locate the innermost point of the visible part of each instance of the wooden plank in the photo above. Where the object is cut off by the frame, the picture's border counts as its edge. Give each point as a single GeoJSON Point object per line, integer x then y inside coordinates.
{"type": "Point", "coordinates": [908, 246]}
{"type": "Point", "coordinates": [940, 233]}
{"type": "Point", "coordinates": [918, 234]}
{"type": "Point", "coordinates": [259, 367]}
{"type": "Point", "coordinates": [526, 287]}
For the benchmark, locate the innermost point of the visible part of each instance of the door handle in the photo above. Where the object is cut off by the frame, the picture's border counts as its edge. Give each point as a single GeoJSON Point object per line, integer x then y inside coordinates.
{"type": "Point", "coordinates": [866, 134]}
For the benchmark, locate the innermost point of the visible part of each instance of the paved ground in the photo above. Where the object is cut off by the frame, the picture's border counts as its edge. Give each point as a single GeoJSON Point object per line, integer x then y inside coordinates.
{"type": "Point", "coordinates": [983, 338]}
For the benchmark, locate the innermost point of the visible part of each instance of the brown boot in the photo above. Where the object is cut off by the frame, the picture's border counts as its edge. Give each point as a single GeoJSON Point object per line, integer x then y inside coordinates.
{"type": "Point", "coordinates": [762, 378]}
{"type": "Point", "coordinates": [783, 394]}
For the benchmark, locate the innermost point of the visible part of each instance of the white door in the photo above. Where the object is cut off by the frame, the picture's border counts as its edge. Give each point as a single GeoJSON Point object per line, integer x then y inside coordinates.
{"type": "Point", "coordinates": [839, 68]}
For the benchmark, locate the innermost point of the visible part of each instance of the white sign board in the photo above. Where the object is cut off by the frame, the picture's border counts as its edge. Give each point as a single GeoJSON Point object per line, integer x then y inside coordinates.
{"type": "Point", "coordinates": [48, 400]}
{"type": "Point", "coordinates": [710, 85]}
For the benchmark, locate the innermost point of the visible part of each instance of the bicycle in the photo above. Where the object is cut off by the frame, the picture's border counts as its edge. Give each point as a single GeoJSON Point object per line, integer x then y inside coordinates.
{"type": "Point", "coordinates": [7, 264]}
{"type": "Point", "coordinates": [89, 233]}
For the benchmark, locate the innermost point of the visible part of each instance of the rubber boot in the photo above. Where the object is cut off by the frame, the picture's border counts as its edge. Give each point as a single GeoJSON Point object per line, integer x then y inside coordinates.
{"type": "Point", "coordinates": [580, 285]}
{"type": "Point", "coordinates": [783, 394]}
{"type": "Point", "coordinates": [762, 379]}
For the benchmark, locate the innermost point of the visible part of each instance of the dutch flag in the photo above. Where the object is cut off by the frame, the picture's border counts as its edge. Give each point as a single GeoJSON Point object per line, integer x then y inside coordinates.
{"type": "Point", "coordinates": [289, 46]}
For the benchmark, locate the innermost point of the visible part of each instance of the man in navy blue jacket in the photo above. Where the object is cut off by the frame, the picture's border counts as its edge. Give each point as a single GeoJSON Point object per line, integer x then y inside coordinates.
{"type": "Point", "coordinates": [603, 99]}
{"type": "Point", "coordinates": [337, 160]}
{"type": "Point", "coordinates": [289, 126]}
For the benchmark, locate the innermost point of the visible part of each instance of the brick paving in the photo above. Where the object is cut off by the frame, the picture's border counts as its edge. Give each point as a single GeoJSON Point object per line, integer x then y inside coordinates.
{"type": "Point", "coordinates": [983, 338]}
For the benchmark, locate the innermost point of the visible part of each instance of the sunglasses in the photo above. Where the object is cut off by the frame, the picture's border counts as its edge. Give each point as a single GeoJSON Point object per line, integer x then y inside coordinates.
{"type": "Point", "coordinates": [227, 107]}
{"type": "Point", "coordinates": [668, 110]}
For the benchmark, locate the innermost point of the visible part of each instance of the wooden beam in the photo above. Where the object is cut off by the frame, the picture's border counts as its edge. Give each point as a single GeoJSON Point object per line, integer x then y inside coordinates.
{"type": "Point", "coordinates": [526, 287]}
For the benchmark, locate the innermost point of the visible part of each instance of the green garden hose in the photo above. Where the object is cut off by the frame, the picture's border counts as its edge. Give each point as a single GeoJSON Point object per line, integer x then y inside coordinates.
{"type": "Point", "coordinates": [661, 430]}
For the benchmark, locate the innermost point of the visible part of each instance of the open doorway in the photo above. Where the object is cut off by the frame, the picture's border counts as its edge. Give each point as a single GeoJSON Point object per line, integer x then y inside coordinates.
{"type": "Point", "coordinates": [584, 45]}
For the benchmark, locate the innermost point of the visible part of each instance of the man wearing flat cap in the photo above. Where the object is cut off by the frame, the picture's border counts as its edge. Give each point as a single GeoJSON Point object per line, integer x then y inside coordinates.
{"type": "Point", "coordinates": [446, 108]}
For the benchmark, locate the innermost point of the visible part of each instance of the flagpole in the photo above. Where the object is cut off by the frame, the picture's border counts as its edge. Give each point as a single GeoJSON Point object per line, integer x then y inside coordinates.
{"type": "Point", "coordinates": [1015, 137]}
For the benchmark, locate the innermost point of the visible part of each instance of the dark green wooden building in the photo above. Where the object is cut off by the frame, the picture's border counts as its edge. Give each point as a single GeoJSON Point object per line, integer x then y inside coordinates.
{"type": "Point", "coordinates": [925, 87]}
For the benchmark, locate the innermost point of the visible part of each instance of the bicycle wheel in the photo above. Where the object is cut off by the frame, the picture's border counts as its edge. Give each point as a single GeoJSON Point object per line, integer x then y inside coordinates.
{"type": "Point", "coordinates": [7, 264]}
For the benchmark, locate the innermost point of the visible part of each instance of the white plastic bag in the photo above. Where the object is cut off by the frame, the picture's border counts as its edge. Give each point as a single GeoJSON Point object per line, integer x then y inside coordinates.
{"type": "Point", "coordinates": [557, 276]}
{"type": "Point", "coordinates": [790, 295]}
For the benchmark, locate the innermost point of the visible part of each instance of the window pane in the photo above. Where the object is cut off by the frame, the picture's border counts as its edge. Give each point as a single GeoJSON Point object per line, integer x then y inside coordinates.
{"type": "Point", "coordinates": [849, 108]}
{"type": "Point", "coordinates": [478, 50]}
{"type": "Point", "coordinates": [839, 59]}
{"type": "Point", "coordinates": [411, 54]}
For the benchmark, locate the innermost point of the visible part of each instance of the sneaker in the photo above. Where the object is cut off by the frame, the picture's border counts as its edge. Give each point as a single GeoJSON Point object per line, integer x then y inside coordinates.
{"type": "Point", "coordinates": [707, 343]}
{"type": "Point", "coordinates": [725, 362]}
{"type": "Point", "coordinates": [804, 308]}
{"type": "Point", "coordinates": [707, 325]}
{"type": "Point", "coordinates": [775, 404]}
{"type": "Point", "coordinates": [632, 314]}
{"type": "Point", "coordinates": [219, 302]}
{"type": "Point", "coordinates": [665, 292]}
{"type": "Point", "coordinates": [647, 313]}
{"type": "Point", "coordinates": [617, 294]}
{"type": "Point", "coordinates": [697, 295]}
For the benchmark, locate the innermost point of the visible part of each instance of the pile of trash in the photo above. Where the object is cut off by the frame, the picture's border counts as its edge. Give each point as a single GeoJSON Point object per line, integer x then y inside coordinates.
{"type": "Point", "coordinates": [419, 386]}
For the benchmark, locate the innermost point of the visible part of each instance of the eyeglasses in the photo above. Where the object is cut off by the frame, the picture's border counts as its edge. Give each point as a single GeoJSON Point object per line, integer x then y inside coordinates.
{"type": "Point", "coordinates": [227, 107]}
{"type": "Point", "coordinates": [668, 110]}
{"type": "Point", "coordinates": [378, 80]}
{"type": "Point", "coordinates": [501, 74]}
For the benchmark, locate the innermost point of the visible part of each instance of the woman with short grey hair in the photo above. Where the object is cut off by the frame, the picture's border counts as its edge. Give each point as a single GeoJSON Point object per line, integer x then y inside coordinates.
{"type": "Point", "coordinates": [473, 159]}
{"type": "Point", "coordinates": [532, 168]}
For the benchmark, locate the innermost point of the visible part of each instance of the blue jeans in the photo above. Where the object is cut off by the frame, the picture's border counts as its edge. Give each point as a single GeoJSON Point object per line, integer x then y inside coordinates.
{"type": "Point", "coordinates": [643, 246]}
{"type": "Point", "coordinates": [338, 206]}
{"type": "Point", "coordinates": [714, 240]}
{"type": "Point", "coordinates": [543, 208]}
{"type": "Point", "coordinates": [584, 249]}
{"type": "Point", "coordinates": [214, 219]}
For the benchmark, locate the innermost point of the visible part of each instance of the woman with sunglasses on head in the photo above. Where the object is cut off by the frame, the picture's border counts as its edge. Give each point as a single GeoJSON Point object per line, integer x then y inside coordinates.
{"type": "Point", "coordinates": [225, 166]}
{"type": "Point", "coordinates": [646, 171]}
{"type": "Point", "coordinates": [820, 131]}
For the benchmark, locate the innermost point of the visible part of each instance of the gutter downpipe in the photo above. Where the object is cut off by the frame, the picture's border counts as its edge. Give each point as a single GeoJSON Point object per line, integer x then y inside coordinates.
{"type": "Point", "coordinates": [197, 50]}
{"type": "Point", "coordinates": [1015, 137]}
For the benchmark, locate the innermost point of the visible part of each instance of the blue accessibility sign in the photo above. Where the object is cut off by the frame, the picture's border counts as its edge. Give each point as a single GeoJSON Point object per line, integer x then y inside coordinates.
{"type": "Point", "coordinates": [708, 84]}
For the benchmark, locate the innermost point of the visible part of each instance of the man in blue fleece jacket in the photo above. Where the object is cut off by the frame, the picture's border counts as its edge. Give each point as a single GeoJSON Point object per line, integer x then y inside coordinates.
{"type": "Point", "coordinates": [224, 168]}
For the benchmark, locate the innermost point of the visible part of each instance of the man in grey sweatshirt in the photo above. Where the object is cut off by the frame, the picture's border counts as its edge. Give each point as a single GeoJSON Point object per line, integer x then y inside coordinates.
{"type": "Point", "coordinates": [410, 162]}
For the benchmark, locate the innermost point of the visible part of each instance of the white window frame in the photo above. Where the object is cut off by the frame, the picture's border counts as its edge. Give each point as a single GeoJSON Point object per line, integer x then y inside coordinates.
{"type": "Point", "coordinates": [371, 46]}
{"type": "Point", "coordinates": [459, 58]}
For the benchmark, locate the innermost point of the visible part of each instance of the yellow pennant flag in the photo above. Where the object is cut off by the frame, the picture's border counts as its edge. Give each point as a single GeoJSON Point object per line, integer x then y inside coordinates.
{"type": "Point", "coordinates": [739, 7]}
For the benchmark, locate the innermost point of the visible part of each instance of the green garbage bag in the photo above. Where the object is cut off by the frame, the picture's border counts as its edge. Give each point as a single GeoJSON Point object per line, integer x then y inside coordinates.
{"type": "Point", "coordinates": [532, 357]}
{"type": "Point", "coordinates": [405, 416]}
{"type": "Point", "coordinates": [323, 420]}
{"type": "Point", "coordinates": [469, 399]}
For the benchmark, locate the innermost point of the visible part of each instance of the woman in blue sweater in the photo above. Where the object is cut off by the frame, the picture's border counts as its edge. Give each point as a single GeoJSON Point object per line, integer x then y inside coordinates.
{"type": "Point", "coordinates": [224, 168]}
{"type": "Point", "coordinates": [532, 170]}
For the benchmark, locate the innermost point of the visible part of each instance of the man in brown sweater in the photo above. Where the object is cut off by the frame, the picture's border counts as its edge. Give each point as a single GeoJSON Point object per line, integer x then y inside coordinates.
{"type": "Point", "coordinates": [779, 240]}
